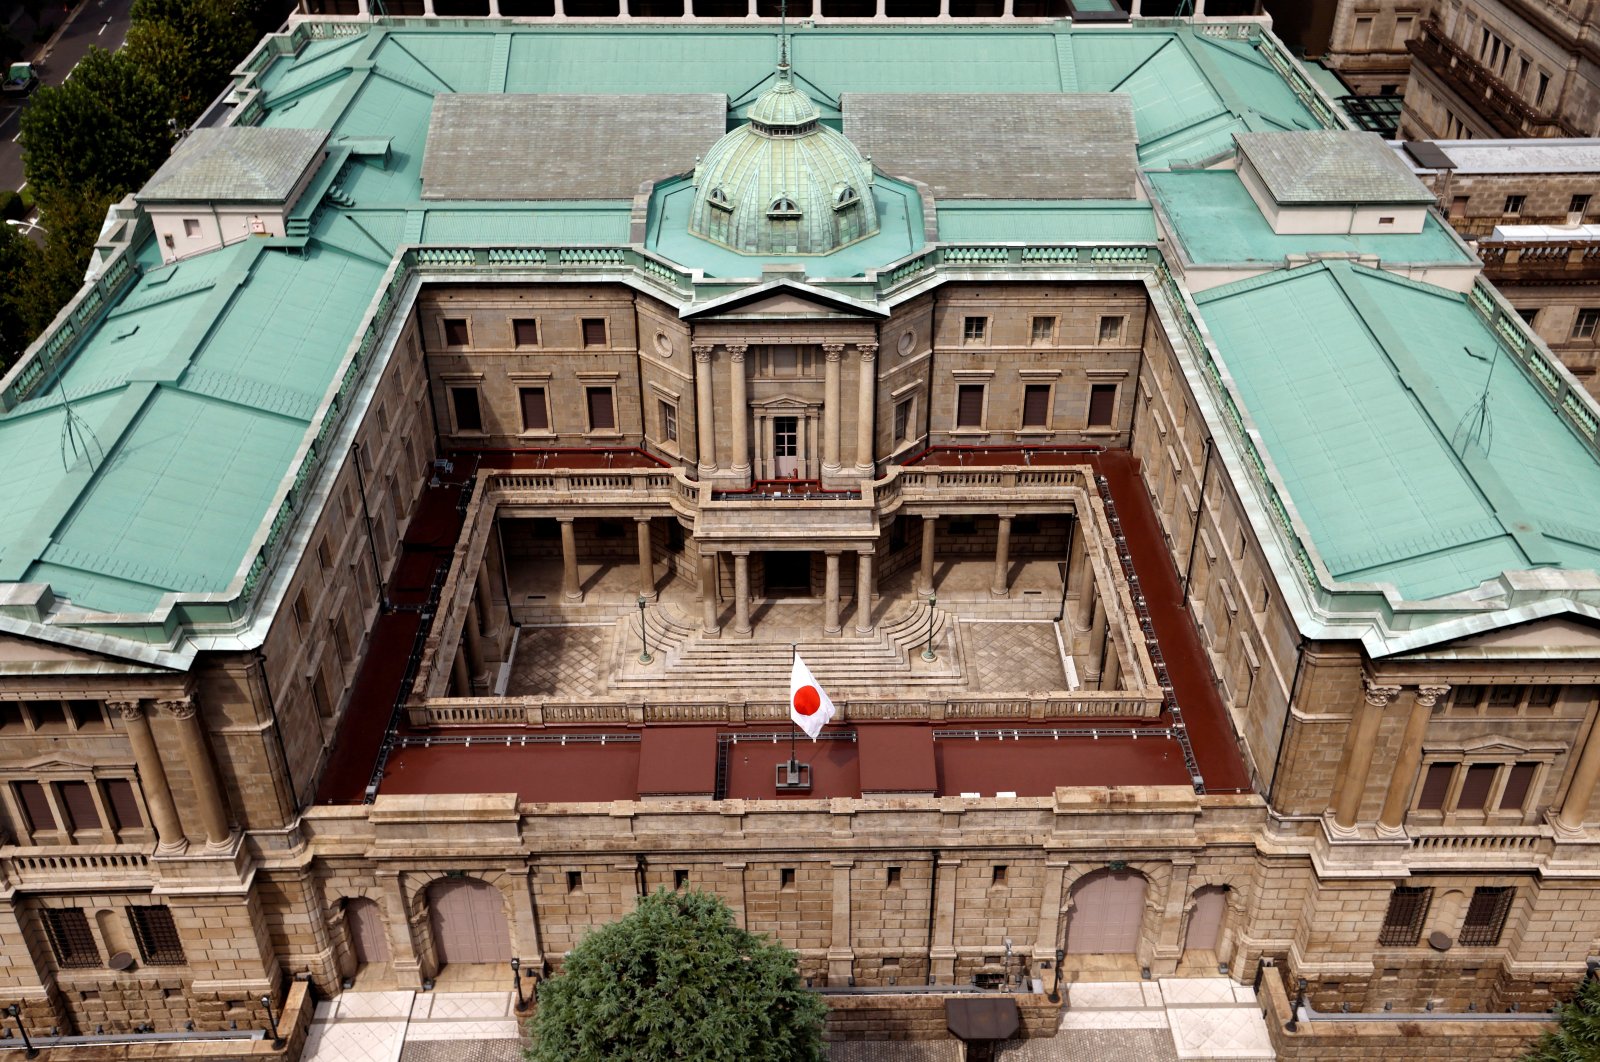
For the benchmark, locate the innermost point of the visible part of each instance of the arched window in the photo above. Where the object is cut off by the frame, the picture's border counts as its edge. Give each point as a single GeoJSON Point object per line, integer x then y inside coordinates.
{"type": "Point", "coordinates": [719, 198]}
{"type": "Point", "coordinates": [783, 207]}
{"type": "Point", "coordinates": [846, 197]}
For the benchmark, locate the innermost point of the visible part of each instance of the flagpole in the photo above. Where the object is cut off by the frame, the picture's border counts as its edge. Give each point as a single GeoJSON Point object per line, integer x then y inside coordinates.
{"type": "Point", "coordinates": [794, 654]}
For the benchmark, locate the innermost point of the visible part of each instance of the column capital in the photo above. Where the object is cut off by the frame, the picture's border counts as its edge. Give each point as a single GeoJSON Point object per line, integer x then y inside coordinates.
{"type": "Point", "coordinates": [833, 351]}
{"type": "Point", "coordinates": [736, 351]}
{"type": "Point", "coordinates": [867, 351]}
{"type": "Point", "coordinates": [127, 709]}
{"type": "Point", "coordinates": [1428, 696]}
{"type": "Point", "coordinates": [177, 707]}
{"type": "Point", "coordinates": [702, 351]}
{"type": "Point", "coordinates": [1379, 696]}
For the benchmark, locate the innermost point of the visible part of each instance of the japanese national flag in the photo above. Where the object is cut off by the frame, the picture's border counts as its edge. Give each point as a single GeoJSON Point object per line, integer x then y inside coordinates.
{"type": "Point", "coordinates": [809, 706]}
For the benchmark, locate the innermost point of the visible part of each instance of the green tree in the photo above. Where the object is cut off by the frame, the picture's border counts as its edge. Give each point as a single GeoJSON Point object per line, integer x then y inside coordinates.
{"type": "Point", "coordinates": [1577, 1037]}
{"type": "Point", "coordinates": [677, 979]}
{"type": "Point", "coordinates": [17, 256]}
{"type": "Point", "coordinates": [100, 134]}
{"type": "Point", "coordinates": [195, 44]}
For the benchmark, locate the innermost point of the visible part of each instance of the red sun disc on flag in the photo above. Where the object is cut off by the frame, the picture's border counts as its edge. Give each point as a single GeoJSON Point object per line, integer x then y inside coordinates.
{"type": "Point", "coordinates": [807, 699]}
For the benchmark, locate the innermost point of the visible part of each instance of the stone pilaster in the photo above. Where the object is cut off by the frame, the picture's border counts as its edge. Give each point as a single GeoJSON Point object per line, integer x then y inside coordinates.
{"type": "Point", "coordinates": [170, 837]}
{"type": "Point", "coordinates": [202, 772]}
{"type": "Point", "coordinates": [1363, 738]}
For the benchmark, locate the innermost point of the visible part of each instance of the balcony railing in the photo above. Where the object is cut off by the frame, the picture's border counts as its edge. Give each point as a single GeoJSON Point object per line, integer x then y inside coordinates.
{"type": "Point", "coordinates": [1495, 101]}
{"type": "Point", "coordinates": [1541, 261]}
{"type": "Point", "coordinates": [118, 866]}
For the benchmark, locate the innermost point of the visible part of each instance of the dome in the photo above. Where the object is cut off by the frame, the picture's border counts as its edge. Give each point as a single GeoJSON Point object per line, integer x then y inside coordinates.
{"type": "Point", "coordinates": [783, 183]}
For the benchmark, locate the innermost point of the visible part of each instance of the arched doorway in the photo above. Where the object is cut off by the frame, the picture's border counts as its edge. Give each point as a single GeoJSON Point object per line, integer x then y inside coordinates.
{"type": "Point", "coordinates": [1205, 918]}
{"type": "Point", "coordinates": [368, 939]}
{"type": "Point", "coordinates": [1107, 909]}
{"type": "Point", "coordinates": [469, 922]}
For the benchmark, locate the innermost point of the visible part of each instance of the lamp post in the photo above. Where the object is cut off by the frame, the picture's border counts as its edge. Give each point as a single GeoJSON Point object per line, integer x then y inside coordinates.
{"type": "Point", "coordinates": [644, 635]}
{"type": "Point", "coordinates": [1055, 988]}
{"type": "Point", "coordinates": [516, 979]}
{"type": "Point", "coordinates": [15, 1013]}
{"type": "Point", "coordinates": [272, 1023]}
{"type": "Point", "coordinates": [927, 652]}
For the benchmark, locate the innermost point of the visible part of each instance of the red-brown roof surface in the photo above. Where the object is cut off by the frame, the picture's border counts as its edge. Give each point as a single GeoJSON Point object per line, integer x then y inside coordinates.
{"type": "Point", "coordinates": [678, 761]}
{"type": "Point", "coordinates": [897, 759]}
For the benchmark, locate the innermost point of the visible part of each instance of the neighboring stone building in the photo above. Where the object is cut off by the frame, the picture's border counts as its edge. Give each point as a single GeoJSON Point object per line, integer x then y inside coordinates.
{"type": "Point", "coordinates": [1200, 553]}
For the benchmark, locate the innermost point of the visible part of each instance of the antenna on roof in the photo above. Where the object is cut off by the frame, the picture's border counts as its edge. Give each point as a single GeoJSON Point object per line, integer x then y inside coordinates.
{"type": "Point", "coordinates": [1477, 424]}
{"type": "Point", "coordinates": [76, 434]}
{"type": "Point", "coordinates": [783, 40]}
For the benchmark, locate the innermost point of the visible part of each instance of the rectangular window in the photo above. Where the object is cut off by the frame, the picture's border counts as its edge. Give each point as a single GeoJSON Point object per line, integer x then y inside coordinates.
{"type": "Point", "coordinates": [669, 421]}
{"type": "Point", "coordinates": [1544, 86]}
{"type": "Point", "coordinates": [124, 805]}
{"type": "Point", "coordinates": [574, 880]}
{"type": "Point", "coordinates": [191, 227]}
{"type": "Point", "coordinates": [1579, 205]}
{"type": "Point", "coordinates": [535, 410]}
{"type": "Point", "coordinates": [68, 929]}
{"type": "Point", "coordinates": [602, 414]}
{"type": "Point", "coordinates": [1044, 329]}
{"type": "Point", "coordinates": [464, 400]}
{"type": "Point", "coordinates": [157, 935]}
{"type": "Point", "coordinates": [1583, 327]}
{"type": "Point", "coordinates": [1435, 786]}
{"type": "Point", "coordinates": [902, 420]}
{"type": "Point", "coordinates": [1363, 40]}
{"type": "Point", "coordinates": [594, 331]}
{"type": "Point", "coordinates": [1402, 923]}
{"type": "Point", "coordinates": [1475, 788]}
{"type": "Point", "coordinates": [1036, 406]}
{"type": "Point", "coordinates": [455, 332]}
{"type": "Point", "coordinates": [1514, 204]}
{"type": "Point", "coordinates": [894, 878]}
{"type": "Point", "coordinates": [1486, 916]}
{"type": "Point", "coordinates": [1110, 329]}
{"type": "Point", "coordinates": [79, 804]}
{"type": "Point", "coordinates": [1522, 74]}
{"type": "Point", "coordinates": [680, 879]}
{"type": "Point", "coordinates": [974, 329]}
{"type": "Point", "coordinates": [525, 332]}
{"type": "Point", "coordinates": [1542, 696]}
{"type": "Point", "coordinates": [969, 406]}
{"type": "Point", "coordinates": [47, 714]}
{"type": "Point", "coordinates": [1519, 779]}
{"type": "Point", "coordinates": [786, 878]}
{"type": "Point", "coordinates": [1102, 404]}
{"type": "Point", "coordinates": [86, 715]}
{"type": "Point", "coordinates": [1402, 31]}
{"type": "Point", "coordinates": [1528, 316]}
{"type": "Point", "coordinates": [36, 806]}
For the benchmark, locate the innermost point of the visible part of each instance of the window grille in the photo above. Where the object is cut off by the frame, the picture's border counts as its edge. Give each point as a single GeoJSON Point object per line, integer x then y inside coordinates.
{"type": "Point", "coordinates": [1486, 916]}
{"type": "Point", "coordinates": [1402, 923]}
{"type": "Point", "coordinates": [157, 934]}
{"type": "Point", "coordinates": [68, 929]}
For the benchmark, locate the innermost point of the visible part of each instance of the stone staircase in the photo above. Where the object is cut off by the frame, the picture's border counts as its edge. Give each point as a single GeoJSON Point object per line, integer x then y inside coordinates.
{"type": "Point", "coordinates": [846, 662]}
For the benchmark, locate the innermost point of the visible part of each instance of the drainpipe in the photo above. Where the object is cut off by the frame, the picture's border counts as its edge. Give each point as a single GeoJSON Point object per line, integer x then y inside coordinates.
{"type": "Point", "coordinates": [933, 906]}
{"type": "Point", "coordinates": [1194, 532]}
{"type": "Point", "coordinates": [1294, 689]}
{"type": "Point", "coordinates": [372, 548]}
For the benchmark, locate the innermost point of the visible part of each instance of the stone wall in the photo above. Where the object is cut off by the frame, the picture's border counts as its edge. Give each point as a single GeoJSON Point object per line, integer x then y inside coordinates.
{"type": "Point", "coordinates": [921, 1016]}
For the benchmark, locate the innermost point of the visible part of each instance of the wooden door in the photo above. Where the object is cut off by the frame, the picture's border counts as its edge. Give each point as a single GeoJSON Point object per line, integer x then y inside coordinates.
{"type": "Point", "coordinates": [1107, 907]}
{"type": "Point", "coordinates": [1205, 918]}
{"type": "Point", "coordinates": [469, 922]}
{"type": "Point", "coordinates": [368, 937]}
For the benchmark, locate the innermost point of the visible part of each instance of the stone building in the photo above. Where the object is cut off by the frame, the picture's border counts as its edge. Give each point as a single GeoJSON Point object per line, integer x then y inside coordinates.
{"type": "Point", "coordinates": [1199, 551]}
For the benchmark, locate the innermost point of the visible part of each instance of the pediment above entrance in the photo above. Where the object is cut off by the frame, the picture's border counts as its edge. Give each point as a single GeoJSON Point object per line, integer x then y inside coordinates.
{"type": "Point", "coordinates": [786, 299]}
{"type": "Point", "coordinates": [1563, 632]}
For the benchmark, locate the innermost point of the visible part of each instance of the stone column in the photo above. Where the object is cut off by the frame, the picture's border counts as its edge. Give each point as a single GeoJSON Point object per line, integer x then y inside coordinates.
{"type": "Point", "coordinates": [753, 13]}
{"type": "Point", "coordinates": [830, 409]}
{"type": "Point", "coordinates": [1354, 782]}
{"type": "Point", "coordinates": [473, 644]}
{"type": "Point", "coordinates": [705, 401]}
{"type": "Point", "coordinates": [647, 567]}
{"type": "Point", "coordinates": [741, 594]}
{"type": "Point", "coordinates": [882, 10]}
{"type": "Point", "coordinates": [1000, 585]}
{"type": "Point", "coordinates": [740, 402]}
{"type": "Point", "coordinates": [944, 8]}
{"type": "Point", "coordinates": [866, 396]}
{"type": "Point", "coordinates": [561, 9]}
{"type": "Point", "coordinates": [930, 525]}
{"type": "Point", "coordinates": [202, 773]}
{"type": "Point", "coordinates": [1580, 791]}
{"type": "Point", "coordinates": [1097, 642]}
{"type": "Point", "coordinates": [841, 956]}
{"type": "Point", "coordinates": [571, 589]}
{"type": "Point", "coordinates": [488, 615]}
{"type": "Point", "coordinates": [708, 594]}
{"type": "Point", "coordinates": [1408, 760]}
{"type": "Point", "coordinates": [942, 950]}
{"type": "Point", "coordinates": [864, 592]}
{"type": "Point", "coordinates": [830, 591]}
{"type": "Point", "coordinates": [494, 8]}
{"type": "Point", "coordinates": [427, 8]}
{"type": "Point", "coordinates": [461, 674]}
{"type": "Point", "coordinates": [1112, 678]}
{"type": "Point", "coordinates": [170, 837]}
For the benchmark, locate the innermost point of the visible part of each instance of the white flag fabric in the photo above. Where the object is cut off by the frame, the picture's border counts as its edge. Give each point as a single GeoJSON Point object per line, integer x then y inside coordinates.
{"type": "Point", "coordinates": [809, 705]}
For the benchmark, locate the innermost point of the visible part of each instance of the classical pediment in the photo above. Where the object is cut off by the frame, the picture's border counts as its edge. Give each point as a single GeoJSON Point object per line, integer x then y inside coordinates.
{"type": "Point", "coordinates": [1557, 632]}
{"type": "Point", "coordinates": [785, 299]}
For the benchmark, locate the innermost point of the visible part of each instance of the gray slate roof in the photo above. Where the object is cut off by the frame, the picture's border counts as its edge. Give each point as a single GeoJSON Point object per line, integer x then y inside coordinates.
{"type": "Point", "coordinates": [564, 147]}
{"type": "Point", "coordinates": [1331, 166]}
{"type": "Point", "coordinates": [1000, 145]}
{"type": "Point", "coordinates": [1555, 155]}
{"type": "Point", "coordinates": [235, 164]}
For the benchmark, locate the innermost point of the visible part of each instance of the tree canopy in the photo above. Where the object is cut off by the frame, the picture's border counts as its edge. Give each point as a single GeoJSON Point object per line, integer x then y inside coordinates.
{"type": "Point", "coordinates": [1577, 1037]}
{"type": "Point", "coordinates": [677, 979]}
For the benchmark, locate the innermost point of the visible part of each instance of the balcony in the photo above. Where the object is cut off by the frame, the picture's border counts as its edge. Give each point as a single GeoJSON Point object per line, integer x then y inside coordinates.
{"type": "Point", "coordinates": [1543, 261]}
{"type": "Point", "coordinates": [1494, 101]}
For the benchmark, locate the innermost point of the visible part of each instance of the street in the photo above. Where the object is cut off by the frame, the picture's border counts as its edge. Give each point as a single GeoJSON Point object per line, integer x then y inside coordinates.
{"type": "Point", "coordinates": [102, 23]}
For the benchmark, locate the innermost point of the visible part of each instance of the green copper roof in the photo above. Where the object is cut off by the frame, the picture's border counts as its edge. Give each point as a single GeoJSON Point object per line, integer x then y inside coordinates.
{"type": "Point", "coordinates": [1369, 415]}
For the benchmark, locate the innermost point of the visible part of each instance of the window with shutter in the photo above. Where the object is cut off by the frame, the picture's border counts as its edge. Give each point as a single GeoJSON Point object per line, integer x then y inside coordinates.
{"type": "Point", "coordinates": [455, 332]}
{"type": "Point", "coordinates": [594, 331]}
{"type": "Point", "coordinates": [1475, 789]}
{"type": "Point", "coordinates": [1518, 781]}
{"type": "Point", "coordinates": [124, 804]}
{"type": "Point", "coordinates": [669, 421]}
{"type": "Point", "coordinates": [1435, 786]}
{"type": "Point", "coordinates": [902, 419]}
{"type": "Point", "coordinates": [602, 414]}
{"type": "Point", "coordinates": [36, 806]}
{"type": "Point", "coordinates": [79, 803]}
{"type": "Point", "coordinates": [1486, 916]}
{"type": "Point", "coordinates": [1036, 406]}
{"type": "Point", "coordinates": [535, 413]}
{"type": "Point", "coordinates": [1402, 923]}
{"type": "Point", "coordinates": [1102, 404]}
{"type": "Point", "coordinates": [525, 332]}
{"type": "Point", "coordinates": [969, 406]}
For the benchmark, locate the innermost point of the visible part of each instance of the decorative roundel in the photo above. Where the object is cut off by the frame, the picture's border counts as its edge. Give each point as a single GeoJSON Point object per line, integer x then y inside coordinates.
{"type": "Point", "coordinates": [807, 699]}
{"type": "Point", "coordinates": [663, 345]}
{"type": "Point", "coordinates": [908, 339]}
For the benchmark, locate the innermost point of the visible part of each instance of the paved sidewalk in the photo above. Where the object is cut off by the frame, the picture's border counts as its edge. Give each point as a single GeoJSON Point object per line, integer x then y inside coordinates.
{"type": "Point", "coordinates": [408, 1026]}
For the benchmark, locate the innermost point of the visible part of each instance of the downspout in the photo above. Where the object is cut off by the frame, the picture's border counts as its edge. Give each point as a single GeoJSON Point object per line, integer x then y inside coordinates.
{"type": "Point", "coordinates": [1288, 709]}
{"type": "Point", "coordinates": [277, 731]}
{"type": "Point", "coordinates": [1194, 532]}
{"type": "Point", "coordinates": [933, 907]}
